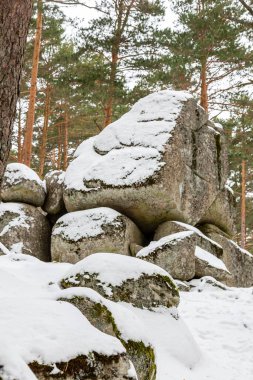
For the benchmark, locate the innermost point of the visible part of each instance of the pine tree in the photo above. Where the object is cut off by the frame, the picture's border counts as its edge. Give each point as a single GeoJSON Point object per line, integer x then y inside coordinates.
{"type": "Point", "coordinates": [123, 33]}
{"type": "Point", "coordinates": [14, 21]}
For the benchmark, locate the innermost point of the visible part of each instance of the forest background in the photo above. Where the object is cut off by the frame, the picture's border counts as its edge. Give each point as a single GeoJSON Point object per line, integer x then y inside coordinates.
{"type": "Point", "coordinates": [81, 73]}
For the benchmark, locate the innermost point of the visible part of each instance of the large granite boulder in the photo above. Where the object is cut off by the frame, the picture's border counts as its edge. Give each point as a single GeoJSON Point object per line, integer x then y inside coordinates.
{"type": "Point", "coordinates": [54, 203]}
{"type": "Point", "coordinates": [163, 160]}
{"type": "Point", "coordinates": [109, 317]}
{"type": "Point", "coordinates": [24, 229]}
{"type": "Point", "coordinates": [206, 264]}
{"type": "Point", "coordinates": [238, 261]}
{"type": "Point", "coordinates": [202, 240]}
{"type": "Point", "coordinates": [174, 253]}
{"type": "Point", "coordinates": [123, 278]}
{"type": "Point", "coordinates": [222, 212]}
{"type": "Point", "coordinates": [22, 184]}
{"type": "Point", "coordinates": [81, 233]}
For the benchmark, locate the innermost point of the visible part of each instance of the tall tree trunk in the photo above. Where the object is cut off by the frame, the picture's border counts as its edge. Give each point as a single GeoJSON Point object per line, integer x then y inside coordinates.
{"type": "Point", "coordinates": [19, 134]}
{"type": "Point", "coordinates": [111, 92]}
{"type": "Point", "coordinates": [65, 140]}
{"type": "Point", "coordinates": [59, 146]}
{"type": "Point", "coordinates": [243, 206]}
{"type": "Point", "coordinates": [28, 137]}
{"type": "Point", "coordinates": [204, 86]}
{"type": "Point", "coordinates": [14, 22]}
{"type": "Point", "coordinates": [44, 130]}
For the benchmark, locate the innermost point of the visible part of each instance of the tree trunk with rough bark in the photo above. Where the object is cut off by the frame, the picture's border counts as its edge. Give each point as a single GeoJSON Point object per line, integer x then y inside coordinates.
{"type": "Point", "coordinates": [28, 136]}
{"type": "Point", "coordinates": [65, 140]}
{"type": "Point", "coordinates": [204, 86]}
{"type": "Point", "coordinates": [14, 22]}
{"type": "Point", "coordinates": [44, 131]}
{"type": "Point", "coordinates": [243, 206]}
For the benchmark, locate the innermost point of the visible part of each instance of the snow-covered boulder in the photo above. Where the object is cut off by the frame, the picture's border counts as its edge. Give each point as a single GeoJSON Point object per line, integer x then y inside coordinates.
{"type": "Point", "coordinates": [123, 278]}
{"type": "Point", "coordinates": [238, 261]}
{"type": "Point", "coordinates": [222, 212]}
{"type": "Point", "coordinates": [206, 264]}
{"type": "Point", "coordinates": [162, 160]}
{"type": "Point", "coordinates": [108, 317]}
{"type": "Point", "coordinates": [81, 233]}
{"type": "Point", "coordinates": [174, 253]}
{"type": "Point", "coordinates": [203, 241]}
{"type": "Point", "coordinates": [24, 229]}
{"type": "Point", "coordinates": [54, 203]}
{"type": "Point", "coordinates": [22, 184]}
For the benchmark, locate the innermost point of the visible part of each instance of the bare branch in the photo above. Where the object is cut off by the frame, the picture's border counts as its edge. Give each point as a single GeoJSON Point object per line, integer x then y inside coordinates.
{"type": "Point", "coordinates": [246, 6]}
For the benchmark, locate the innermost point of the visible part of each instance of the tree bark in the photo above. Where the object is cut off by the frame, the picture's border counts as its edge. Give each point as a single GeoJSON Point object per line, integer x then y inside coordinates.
{"type": "Point", "coordinates": [59, 158]}
{"type": "Point", "coordinates": [19, 135]}
{"type": "Point", "coordinates": [28, 137]}
{"type": "Point", "coordinates": [14, 22]}
{"type": "Point", "coordinates": [243, 206]}
{"type": "Point", "coordinates": [44, 131]}
{"type": "Point", "coordinates": [65, 140]}
{"type": "Point", "coordinates": [204, 86]}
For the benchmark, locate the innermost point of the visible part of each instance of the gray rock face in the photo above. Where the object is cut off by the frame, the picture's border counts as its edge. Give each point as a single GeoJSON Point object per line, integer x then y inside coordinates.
{"type": "Point", "coordinates": [54, 203]}
{"type": "Point", "coordinates": [222, 212]}
{"type": "Point", "coordinates": [238, 261]}
{"type": "Point", "coordinates": [79, 234]}
{"type": "Point", "coordinates": [207, 264]}
{"type": "Point", "coordinates": [123, 278]}
{"type": "Point", "coordinates": [93, 366]}
{"type": "Point", "coordinates": [171, 227]}
{"type": "Point", "coordinates": [22, 184]}
{"type": "Point", "coordinates": [24, 229]}
{"type": "Point", "coordinates": [100, 316]}
{"type": "Point", "coordinates": [161, 161]}
{"type": "Point", "coordinates": [174, 253]}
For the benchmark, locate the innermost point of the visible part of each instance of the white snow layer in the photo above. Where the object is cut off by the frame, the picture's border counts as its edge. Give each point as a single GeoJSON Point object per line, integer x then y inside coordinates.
{"type": "Point", "coordinates": [113, 269]}
{"type": "Point", "coordinates": [19, 219]}
{"type": "Point", "coordinates": [34, 326]}
{"type": "Point", "coordinates": [209, 258]}
{"type": "Point", "coordinates": [170, 240]}
{"type": "Point", "coordinates": [16, 173]}
{"type": "Point", "coordinates": [128, 151]}
{"type": "Point", "coordinates": [89, 223]}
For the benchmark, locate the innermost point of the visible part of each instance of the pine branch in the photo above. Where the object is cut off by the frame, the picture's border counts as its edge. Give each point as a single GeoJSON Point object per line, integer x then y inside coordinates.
{"type": "Point", "coordinates": [246, 6]}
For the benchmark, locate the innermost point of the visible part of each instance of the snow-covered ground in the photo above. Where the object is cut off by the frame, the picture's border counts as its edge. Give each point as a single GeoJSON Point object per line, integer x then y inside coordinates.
{"type": "Point", "coordinates": [212, 339]}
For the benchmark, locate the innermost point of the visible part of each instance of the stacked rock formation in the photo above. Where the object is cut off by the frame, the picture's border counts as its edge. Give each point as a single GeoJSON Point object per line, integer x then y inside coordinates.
{"type": "Point", "coordinates": [151, 185]}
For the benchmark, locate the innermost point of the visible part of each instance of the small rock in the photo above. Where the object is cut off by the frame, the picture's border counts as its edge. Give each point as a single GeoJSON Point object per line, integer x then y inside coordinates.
{"type": "Point", "coordinates": [54, 203]}
{"type": "Point", "coordinates": [123, 278]}
{"type": "Point", "coordinates": [24, 229]}
{"type": "Point", "coordinates": [22, 184]}
{"type": "Point", "coordinates": [79, 234]}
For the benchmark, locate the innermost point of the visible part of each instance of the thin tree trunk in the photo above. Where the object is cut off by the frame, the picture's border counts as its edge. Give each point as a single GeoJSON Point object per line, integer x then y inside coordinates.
{"type": "Point", "coordinates": [28, 137]}
{"type": "Point", "coordinates": [65, 140]}
{"type": "Point", "coordinates": [243, 206]}
{"type": "Point", "coordinates": [59, 147]}
{"type": "Point", "coordinates": [111, 92]}
{"type": "Point", "coordinates": [14, 22]}
{"type": "Point", "coordinates": [204, 86]}
{"type": "Point", "coordinates": [19, 135]}
{"type": "Point", "coordinates": [44, 131]}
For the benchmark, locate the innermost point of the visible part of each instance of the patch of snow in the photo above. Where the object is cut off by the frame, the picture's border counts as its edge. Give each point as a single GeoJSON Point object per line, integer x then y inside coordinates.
{"type": "Point", "coordinates": [16, 173]}
{"type": "Point", "coordinates": [128, 151]}
{"type": "Point", "coordinates": [113, 269]}
{"type": "Point", "coordinates": [170, 240]}
{"type": "Point", "coordinates": [241, 249]}
{"type": "Point", "coordinates": [20, 219]}
{"type": "Point", "coordinates": [209, 258]}
{"type": "Point", "coordinates": [3, 249]}
{"type": "Point", "coordinates": [197, 231]}
{"type": "Point", "coordinates": [60, 175]}
{"type": "Point", "coordinates": [88, 223]}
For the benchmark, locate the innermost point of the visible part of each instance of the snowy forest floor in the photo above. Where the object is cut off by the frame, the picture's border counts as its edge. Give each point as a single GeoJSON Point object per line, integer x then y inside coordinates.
{"type": "Point", "coordinates": [211, 340]}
